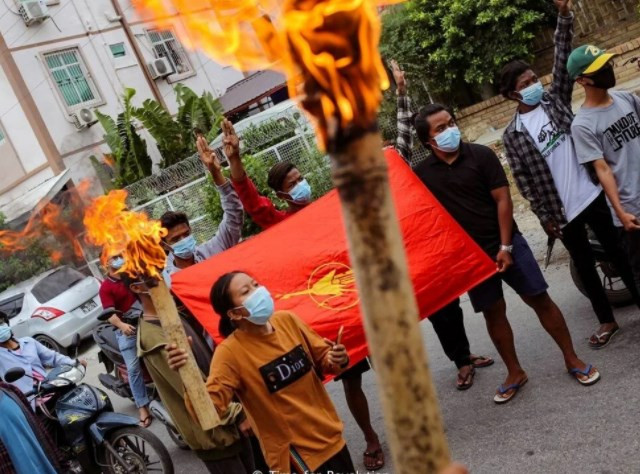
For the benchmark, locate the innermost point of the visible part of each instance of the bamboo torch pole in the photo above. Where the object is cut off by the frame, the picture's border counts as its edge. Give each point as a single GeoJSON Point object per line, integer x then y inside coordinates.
{"type": "Point", "coordinates": [411, 412]}
{"type": "Point", "coordinates": [190, 373]}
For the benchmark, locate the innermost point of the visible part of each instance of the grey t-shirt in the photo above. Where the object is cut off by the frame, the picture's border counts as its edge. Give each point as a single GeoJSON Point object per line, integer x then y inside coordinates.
{"type": "Point", "coordinates": [613, 133]}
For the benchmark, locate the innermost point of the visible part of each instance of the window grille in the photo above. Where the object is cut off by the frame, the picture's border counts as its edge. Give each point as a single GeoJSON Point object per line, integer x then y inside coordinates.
{"type": "Point", "coordinates": [166, 45]}
{"type": "Point", "coordinates": [72, 78]}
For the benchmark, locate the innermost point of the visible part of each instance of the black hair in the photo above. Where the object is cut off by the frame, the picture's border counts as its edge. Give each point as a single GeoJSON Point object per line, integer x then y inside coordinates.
{"type": "Point", "coordinates": [222, 303]}
{"type": "Point", "coordinates": [421, 123]}
{"type": "Point", "coordinates": [510, 74]}
{"type": "Point", "coordinates": [4, 318]}
{"type": "Point", "coordinates": [171, 219]}
{"type": "Point", "coordinates": [278, 173]}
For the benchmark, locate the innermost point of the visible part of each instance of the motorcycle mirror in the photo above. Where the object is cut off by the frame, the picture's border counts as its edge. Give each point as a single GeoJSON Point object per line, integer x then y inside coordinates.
{"type": "Point", "coordinates": [75, 344]}
{"type": "Point", "coordinates": [14, 374]}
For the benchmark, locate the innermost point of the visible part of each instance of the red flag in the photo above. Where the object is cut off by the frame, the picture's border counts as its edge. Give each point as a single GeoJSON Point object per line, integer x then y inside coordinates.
{"type": "Point", "coordinates": [304, 262]}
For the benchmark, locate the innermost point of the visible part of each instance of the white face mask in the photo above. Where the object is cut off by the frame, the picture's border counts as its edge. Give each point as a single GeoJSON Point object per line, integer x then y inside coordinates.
{"type": "Point", "coordinates": [5, 333]}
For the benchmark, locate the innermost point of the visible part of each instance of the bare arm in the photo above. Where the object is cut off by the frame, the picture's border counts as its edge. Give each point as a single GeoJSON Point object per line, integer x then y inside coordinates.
{"type": "Point", "coordinates": [210, 160]}
{"type": "Point", "coordinates": [502, 197]}
{"type": "Point", "coordinates": [610, 186]}
{"type": "Point", "coordinates": [232, 150]}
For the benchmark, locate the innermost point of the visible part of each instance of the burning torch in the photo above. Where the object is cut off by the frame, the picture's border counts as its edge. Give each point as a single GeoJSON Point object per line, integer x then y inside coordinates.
{"type": "Point", "coordinates": [137, 238]}
{"type": "Point", "coordinates": [328, 49]}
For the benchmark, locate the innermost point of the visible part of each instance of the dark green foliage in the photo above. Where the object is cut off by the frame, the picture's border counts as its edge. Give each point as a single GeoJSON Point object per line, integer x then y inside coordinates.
{"type": "Point", "coordinates": [174, 135]}
{"type": "Point", "coordinates": [455, 47]}
{"type": "Point", "coordinates": [128, 149]}
{"type": "Point", "coordinates": [17, 266]}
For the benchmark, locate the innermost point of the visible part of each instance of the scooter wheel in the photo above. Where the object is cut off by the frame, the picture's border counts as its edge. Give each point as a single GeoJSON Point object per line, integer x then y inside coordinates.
{"type": "Point", "coordinates": [140, 449]}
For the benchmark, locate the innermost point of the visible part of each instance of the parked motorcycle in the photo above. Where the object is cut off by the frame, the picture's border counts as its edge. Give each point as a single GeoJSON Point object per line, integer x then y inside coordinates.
{"type": "Point", "coordinates": [116, 378]}
{"type": "Point", "coordinates": [81, 420]}
{"type": "Point", "coordinates": [617, 292]}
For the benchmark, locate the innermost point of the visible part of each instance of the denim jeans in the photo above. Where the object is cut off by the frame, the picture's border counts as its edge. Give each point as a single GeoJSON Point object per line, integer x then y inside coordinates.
{"type": "Point", "coordinates": [129, 351]}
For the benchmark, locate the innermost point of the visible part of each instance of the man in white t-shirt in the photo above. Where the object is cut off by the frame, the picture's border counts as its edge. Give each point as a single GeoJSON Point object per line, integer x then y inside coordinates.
{"type": "Point", "coordinates": [547, 171]}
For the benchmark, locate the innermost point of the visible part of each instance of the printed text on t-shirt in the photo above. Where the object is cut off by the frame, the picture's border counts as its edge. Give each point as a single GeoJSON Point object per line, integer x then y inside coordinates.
{"type": "Point", "coordinates": [623, 131]}
{"type": "Point", "coordinates": [286, 369]}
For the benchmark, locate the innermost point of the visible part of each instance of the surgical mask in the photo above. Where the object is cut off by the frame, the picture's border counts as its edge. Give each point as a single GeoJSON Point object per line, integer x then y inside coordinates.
{"type": "Point", "coordinates": [301, 192]}
{"type": "Point", "coordinates": [605, 78]}
{"type": "Point", "coordinates": [5, 333]}
{"type": "Point", "coordinates": [117, 263]}
{"type": "Point", "coordinates": [260, 306]}
{"type": "Point", "coordinates": [532, 95]}
{"type": "Point", "coordinates": [186, 248]}
{"type": "Point", "coordinates": [449, 140]}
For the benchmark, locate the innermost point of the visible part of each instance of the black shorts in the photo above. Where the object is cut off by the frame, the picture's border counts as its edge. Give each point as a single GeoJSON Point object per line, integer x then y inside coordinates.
{"type": "Point", "coordinates": [356, 371]}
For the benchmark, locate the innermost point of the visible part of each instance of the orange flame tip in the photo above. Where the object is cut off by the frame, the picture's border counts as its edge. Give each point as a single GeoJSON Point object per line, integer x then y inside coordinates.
{"type": "Point", "coordinates": [330, 45]}
{"type": "Point", "coordinates": [122, 232]}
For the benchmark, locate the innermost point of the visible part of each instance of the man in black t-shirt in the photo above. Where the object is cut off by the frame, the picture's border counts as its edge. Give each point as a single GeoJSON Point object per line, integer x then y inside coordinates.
{"type": "Point", "coordinates": [471, 184]}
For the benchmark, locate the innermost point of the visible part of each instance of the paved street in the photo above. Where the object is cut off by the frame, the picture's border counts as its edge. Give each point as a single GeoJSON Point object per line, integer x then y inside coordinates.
{"type": "Point", "coordinates": [553, 426]}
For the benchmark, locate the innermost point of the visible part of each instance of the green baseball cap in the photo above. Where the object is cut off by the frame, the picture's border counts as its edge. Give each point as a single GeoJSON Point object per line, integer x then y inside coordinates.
{"type": "Point", "coordinates": [587, 59]}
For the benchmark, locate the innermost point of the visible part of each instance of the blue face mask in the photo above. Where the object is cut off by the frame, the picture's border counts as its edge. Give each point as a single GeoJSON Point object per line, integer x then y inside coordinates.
{"type": "Point", "coordinates": [301, 192]}
{"type": "Point", "coordinates": [260, 306]}
{"type": "Point", "coordinates": [532, 95]}
{"type": "Point", "coordinates": [117, 263]}
{"type": "Point", "coordinates": [5, 333]}
{"type": "Point", "coordinates": [186, 248]}
{"type": "Point", "coordinates": [449, 140]}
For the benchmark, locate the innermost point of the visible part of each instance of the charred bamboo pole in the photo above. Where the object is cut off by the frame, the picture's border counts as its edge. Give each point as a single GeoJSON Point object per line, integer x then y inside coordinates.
{"type": "Point", "coordinates": [190, 373]}
{"type": "Point", "coordinates": [411, 411]}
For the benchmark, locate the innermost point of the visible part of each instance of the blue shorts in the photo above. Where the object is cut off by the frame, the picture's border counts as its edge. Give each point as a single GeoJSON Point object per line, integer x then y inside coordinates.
{"type": "Point", "coordinates": [524, 276]}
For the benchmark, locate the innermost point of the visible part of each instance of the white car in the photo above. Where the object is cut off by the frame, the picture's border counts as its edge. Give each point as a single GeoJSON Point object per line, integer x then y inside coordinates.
{"type": "Point", "coordinates": [53, 306]}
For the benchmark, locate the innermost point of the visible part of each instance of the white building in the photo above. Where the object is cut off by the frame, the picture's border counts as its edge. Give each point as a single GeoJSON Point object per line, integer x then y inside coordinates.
{"type": "Point", "coordinates": [59, 57]}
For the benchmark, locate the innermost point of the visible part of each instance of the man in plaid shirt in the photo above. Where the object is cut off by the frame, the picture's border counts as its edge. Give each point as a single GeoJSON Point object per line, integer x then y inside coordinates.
{"type": "Point", "coordinates": [543, 160]}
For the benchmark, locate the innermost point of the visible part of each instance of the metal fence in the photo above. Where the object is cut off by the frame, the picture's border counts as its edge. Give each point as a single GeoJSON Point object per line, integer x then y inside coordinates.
{"type": "Point", "coordinates": [185, 187]}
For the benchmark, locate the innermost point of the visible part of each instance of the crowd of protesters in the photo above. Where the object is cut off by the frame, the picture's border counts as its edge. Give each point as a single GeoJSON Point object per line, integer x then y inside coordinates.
{"type": "Point", "coordinates": [577, 171]}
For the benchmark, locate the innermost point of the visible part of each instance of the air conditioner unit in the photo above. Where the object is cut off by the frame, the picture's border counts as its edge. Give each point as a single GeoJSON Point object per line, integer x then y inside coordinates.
{"type": "Point", "coordinates": [160, 68]}
{"type": "Point", "coordinates": [84, 118]}
{"type": "Point", "coordinates": [33, 11]}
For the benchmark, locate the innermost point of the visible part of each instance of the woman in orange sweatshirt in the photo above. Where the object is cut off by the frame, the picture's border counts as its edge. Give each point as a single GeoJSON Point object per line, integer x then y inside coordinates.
{"type": "Point", "coordinates": [273, 363]}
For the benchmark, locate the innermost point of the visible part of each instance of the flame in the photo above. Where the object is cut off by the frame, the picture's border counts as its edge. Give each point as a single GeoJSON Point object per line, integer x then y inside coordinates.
{"type": "Point", "coordinates": [122, 232]}
{"type": "Point", "coordinates": [329, 47]}
{"type": "Point", "coordinates": [53, 220]}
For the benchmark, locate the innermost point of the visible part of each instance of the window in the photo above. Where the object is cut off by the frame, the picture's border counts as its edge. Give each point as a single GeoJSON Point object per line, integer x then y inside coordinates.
{"type": "Point", "coordinates": [12, 306]}
{"type": "Point", "coordinates": [56, 283]}
{"type": "Point", "coordinates": [118, 50]}
{"type": "Point", "coordinates": [71, 76]}
{"type": "Point", "coordinates": [165, 45]}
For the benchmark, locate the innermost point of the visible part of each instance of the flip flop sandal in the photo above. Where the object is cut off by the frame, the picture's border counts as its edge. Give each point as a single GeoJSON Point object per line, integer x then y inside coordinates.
{"type": "Point", "coordinates": [499, 399]}
{"type": "Point", "coordinates": [590, 380]}
{"type": "Point", "coordinates": [374, 455]}
{"type": "Point", "coordinates": [480, 362]}
{"type": "Point", "coordinates": [146, 423]}
{"type": "Point", "coordinates": [603, 339]}
{"type": "Point", "coordinates": [467, 382]}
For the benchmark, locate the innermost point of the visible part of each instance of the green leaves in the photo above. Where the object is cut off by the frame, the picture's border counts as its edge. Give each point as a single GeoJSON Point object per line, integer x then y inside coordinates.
{"type": "Point", "coordinates": [458, 46]}
{"type": "Point", "coordinates": [174, 135]}
{"type": "Point", "coordinates": [128, 149]}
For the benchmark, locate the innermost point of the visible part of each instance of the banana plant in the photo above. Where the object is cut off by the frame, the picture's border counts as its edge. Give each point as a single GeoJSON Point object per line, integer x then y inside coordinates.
{"type": "Point", "coordinates": [174, 135]}
{"type": "Point", "coordinates": [128, 148]}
